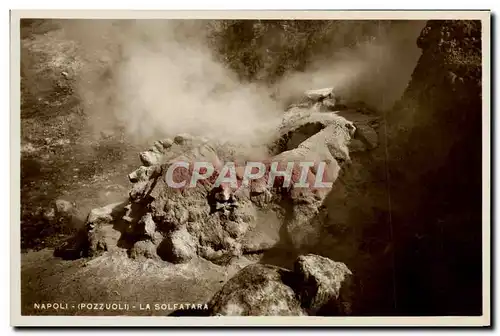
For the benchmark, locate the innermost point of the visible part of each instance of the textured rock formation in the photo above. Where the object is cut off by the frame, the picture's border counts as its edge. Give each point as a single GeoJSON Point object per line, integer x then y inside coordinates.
{"type": "Point", "coordinates": [317, 286]}
{"type": "Point", "coordinates": [325, 285]}
{"type": "Point", "coordinates": [257, 290]}
{"type": "Point", "coordinates": [144, 249]}
{"type": "Point", "coordinates": [219, 222]}
{"type": "Point", "coordinates": [101, 233]}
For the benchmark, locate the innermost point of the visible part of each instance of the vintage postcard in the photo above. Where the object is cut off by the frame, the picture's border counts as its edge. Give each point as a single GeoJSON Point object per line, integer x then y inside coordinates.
{"type": "Point", "coordinates": [250, 168]}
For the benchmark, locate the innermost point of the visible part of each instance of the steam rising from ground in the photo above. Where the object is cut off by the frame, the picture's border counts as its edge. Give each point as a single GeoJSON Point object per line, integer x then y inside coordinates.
{"type": "Point", "coordinates": [375, 71]}
{"type": "Point", "coordinates": [160, 78]}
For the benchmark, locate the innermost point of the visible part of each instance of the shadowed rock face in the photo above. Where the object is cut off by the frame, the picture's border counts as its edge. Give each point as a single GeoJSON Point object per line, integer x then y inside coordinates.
{"type": "Point", "coordinates": [435, 151]}
{"type": "Point", "coordinates": [316, 286]}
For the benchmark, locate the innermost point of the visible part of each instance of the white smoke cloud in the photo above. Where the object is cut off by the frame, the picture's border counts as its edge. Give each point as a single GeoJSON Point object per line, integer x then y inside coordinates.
{"type": "Point", "coordinates": [163, 80]}
{"type": "Point", "coordinates": [158, 78]}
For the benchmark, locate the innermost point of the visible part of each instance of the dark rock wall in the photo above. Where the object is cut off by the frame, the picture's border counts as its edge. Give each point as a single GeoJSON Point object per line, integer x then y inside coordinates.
{"type": "Point", "coordinates": [434, 160]}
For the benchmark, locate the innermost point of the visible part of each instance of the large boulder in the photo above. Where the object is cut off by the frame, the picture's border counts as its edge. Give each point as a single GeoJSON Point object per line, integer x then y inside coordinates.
{"type": "Point", "coordinates": [326, 285]}
{"type": "Point", "coordinates": [316, 286]}
{"type": "Point", "coordinates": [257, 290]}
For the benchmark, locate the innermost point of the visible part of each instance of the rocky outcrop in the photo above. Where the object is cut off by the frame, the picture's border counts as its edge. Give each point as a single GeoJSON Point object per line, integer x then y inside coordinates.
{"type": "Point", "coordinates": [219, 222]}
{"type": "Point", "coordinates": [101, 233]}
{"type": "Point", "coordinates": [316, 286]}
{"type": "Point", "coordinates": [300, 124]}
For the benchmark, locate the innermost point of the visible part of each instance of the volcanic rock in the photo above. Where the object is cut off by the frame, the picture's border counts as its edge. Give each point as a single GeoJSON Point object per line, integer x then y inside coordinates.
{"type": "Point", "coordinates": [325, 285]}
{"type": "Point", "coordinates": [317, 285]}
{"type": "Point", "coordinates": [200, 220]}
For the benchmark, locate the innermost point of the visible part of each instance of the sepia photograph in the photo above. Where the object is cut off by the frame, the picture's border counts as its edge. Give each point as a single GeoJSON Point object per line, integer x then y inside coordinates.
{"type": "Point", "coordinates": [208, 168]}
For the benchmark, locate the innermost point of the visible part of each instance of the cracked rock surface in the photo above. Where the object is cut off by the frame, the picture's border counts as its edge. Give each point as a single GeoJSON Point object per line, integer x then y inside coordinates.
{"type": "Point", "coordinates": [216, 223]}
